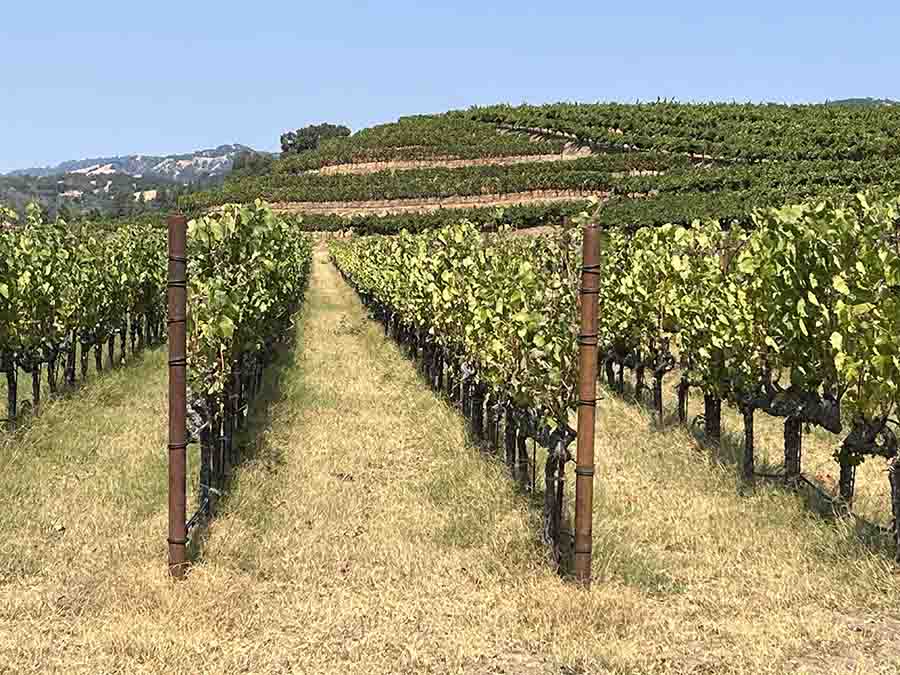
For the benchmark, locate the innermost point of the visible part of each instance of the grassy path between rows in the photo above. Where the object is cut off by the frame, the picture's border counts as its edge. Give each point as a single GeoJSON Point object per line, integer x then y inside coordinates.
{"type": "Point", "coordinates": [365, 535]}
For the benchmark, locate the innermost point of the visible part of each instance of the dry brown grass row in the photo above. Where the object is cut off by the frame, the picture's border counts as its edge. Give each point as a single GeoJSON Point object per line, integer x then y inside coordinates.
{"type": "Point", "coordinates": [365, 535]}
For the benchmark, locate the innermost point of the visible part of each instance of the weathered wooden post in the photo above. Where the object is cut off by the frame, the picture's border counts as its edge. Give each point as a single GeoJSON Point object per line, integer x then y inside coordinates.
{"type": "Point", "coordinates": [587, 402]}
{"type": "Point", "coordinates": [177, 310]}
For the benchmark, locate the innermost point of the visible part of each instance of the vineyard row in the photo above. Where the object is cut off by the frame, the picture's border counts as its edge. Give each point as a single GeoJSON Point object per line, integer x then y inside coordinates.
{"type": "Point", "coordinates": [68, 290]}
{"type": "Point", "coordinates": [796, 317]}
{"type": "Point", "coordinates": [236, 279]}
{"type": "Point", "coordinates": [623, 175]}
{"type": "Point", "coordinates": [733, 131]}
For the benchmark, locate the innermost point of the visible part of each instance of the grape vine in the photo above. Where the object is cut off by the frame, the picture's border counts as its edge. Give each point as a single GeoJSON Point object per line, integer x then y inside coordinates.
{"type": "Point", "coordinates": [68, 287]}
{"type": "Point", "coordinates": [795, 317]}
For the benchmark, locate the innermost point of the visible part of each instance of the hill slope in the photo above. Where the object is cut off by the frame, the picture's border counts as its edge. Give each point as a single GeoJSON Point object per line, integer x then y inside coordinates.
{"type": "Point", "coordinates": [864, 102]}
{"type": "Point", "coordinates": [655, 163]}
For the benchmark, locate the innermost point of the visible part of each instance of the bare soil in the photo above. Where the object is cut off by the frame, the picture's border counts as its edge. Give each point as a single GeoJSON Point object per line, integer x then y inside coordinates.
{"type": "Point", "coordinates": [448, 163]}
{"type": "Point", "coordinates": [431, 204]}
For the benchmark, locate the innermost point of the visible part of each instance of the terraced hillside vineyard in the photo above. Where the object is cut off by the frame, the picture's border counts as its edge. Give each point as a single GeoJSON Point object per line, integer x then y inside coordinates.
{"type": "Point", "coordinates": [652, 163]}
{"type": "Point", "coordinates": [419, 138]}
{"type": "Point", "coordinates": [584, 174]}
{"type": "Point", "coordinates": [725, 132]}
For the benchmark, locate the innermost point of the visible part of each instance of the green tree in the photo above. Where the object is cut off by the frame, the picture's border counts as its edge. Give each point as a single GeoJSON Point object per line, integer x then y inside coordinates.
{"type": "Point", "coordinates": [309, 137]}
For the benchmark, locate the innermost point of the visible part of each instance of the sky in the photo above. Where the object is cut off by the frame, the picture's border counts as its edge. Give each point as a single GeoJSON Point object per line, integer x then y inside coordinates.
{"type": "Point", "coordinates": [100, 78]}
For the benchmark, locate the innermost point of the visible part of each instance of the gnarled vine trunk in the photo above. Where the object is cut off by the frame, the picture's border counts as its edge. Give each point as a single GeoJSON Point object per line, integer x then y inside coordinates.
{"type": "Point", "coordinates": [70, 362]}
{"type": "Point", "coordinates": [510, 438]}
{"type": "Point", "coordinates": [217, 469]}
{"type": "Point", "coordinates": [8, 365]}
{"type": "Point", "coordinates": [111, 350]}
{"type": "Point", "coordinates": [36, 387]}
{"type": "Point", "coordinates": [477, 412]}
{"type": "Point", "coordinates": [438, 383]}
{"type": "Point", "coordinates": [85, 354]}
{"type": "Point", "coordinates": [639, 383]}
{"type": "Point", "coordinates": [683, 394]}
{"type": "Point", "coordinates": [522, 468]}
{"type": "Point", "coordinates": [98, 355]}
{"type": "Point", "coordinates": [847, 480]}
{"type": "Point", "coordinates": [206, 460]}
{"type": "Point", "coordinates": [793, 447]}
{"type": "Point", "coordinates": [490, 423]}
{"type": "Point", "coordinates": [712, 418]}
{"type": "Point", "coordinates": [451, 381]}
{"type": "Point", "coordinates": [609, 368]}
{"type": "Point", "coordinates": [894, 478]}
{"type": "Point", "coordinates": [554, 488]}
{"type": "Point", "coordinates": [658, 397]}
{"type": "Point", "coordinates": [52, 372]}
{"type": "Point", "coordinates": [748, 468]}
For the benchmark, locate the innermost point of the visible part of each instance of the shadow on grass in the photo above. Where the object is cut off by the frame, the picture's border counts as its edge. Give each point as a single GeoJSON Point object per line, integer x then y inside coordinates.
{"type": "Point", "coordinates": [729, 451]}
{"type": "Point", "coordinates": [526, 475]}
{"type": "Point", "coordinates": [249, 440]}
{"type": "Point", "coordinates": [27, 414]}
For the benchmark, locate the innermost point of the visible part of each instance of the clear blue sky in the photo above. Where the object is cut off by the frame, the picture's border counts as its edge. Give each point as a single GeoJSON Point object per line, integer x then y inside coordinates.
{"type": "Point", "coordinates": [100, 78]}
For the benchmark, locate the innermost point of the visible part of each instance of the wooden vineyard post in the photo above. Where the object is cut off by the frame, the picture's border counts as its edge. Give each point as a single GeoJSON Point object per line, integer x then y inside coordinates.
{"type": "Point", "coordinates": [177, 298]}
{"type": "Point", "coordinates": [587, 402]}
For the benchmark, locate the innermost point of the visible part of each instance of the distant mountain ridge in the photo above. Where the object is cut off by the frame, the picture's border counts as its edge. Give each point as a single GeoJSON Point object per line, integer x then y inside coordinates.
{"type": "Point", "coordinates": [182, 168]}
{"type": "Point", "coordinates": [864, 102]}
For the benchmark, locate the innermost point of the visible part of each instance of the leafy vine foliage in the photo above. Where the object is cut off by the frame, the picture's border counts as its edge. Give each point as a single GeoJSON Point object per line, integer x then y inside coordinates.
{"type": "Point", "coordinates": [247, 274]}
{"type": "Point", "coordinates": [64, 286]}
{"type": "Point", "coordinates": [501, 306]}
{"type": "Point", "coordinates": [796, 316]}
{"type": "Point", "coordinates": [247, 271]}
{"type": "Point", "coordinates": [494, 316]}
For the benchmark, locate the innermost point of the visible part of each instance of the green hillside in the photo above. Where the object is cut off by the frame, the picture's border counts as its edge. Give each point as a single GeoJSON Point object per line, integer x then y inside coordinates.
{"type": "Point", "coordinates": [652, 163]}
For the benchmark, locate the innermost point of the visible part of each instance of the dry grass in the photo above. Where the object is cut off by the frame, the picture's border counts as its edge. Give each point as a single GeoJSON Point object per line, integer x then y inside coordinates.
{"type": "Point", "coordinates": [365, 536]}
{"type": "Point", "coordinates": [24, 386]}
{"type": "Point", "coordinates": [872, 497]}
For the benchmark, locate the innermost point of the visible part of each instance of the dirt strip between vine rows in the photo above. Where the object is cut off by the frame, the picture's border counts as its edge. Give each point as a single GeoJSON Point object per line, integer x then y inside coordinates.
{"type": "Point", "coordinates": [365, 535]}
{"type": "Point", "coordinates": [429, 204]}
{"type": "Point", "coordinates": [359, 168]}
